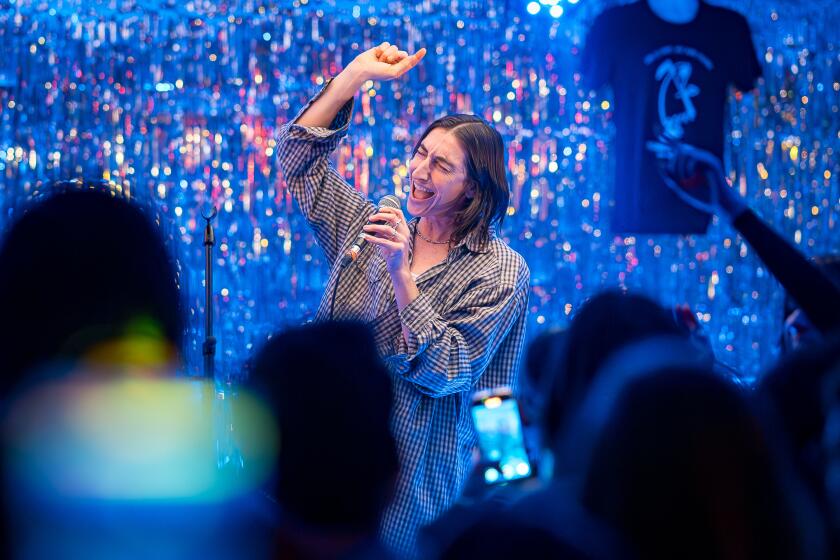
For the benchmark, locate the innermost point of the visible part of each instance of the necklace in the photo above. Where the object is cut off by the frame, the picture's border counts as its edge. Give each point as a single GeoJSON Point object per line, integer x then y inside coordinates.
{"type": "Point", "coordinates": [427, 240]}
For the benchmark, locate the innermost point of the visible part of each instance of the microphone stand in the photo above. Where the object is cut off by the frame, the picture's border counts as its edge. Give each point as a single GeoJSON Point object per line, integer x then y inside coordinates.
{"type": "Point", "coordinates": [228, 457]}
{"type": "Point", "coordinates": [209, 346]}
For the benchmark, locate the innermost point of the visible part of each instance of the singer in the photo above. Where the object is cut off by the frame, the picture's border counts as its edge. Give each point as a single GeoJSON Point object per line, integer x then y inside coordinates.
{"type": "Point", "coordinates": [445, 296]}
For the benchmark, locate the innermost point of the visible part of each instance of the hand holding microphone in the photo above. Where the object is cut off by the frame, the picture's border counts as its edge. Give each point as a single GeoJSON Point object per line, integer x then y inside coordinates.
{"type": "Point", "coordinates": [388, 230]}
{"type": "Point", "coordinates": [386, 203]}
{"type": "Point", "coordinates": [696, 176]}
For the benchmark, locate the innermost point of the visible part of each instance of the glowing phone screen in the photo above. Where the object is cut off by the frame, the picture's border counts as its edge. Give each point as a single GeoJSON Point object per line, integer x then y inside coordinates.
{"type": "Point", "coordinates": [499, 430]}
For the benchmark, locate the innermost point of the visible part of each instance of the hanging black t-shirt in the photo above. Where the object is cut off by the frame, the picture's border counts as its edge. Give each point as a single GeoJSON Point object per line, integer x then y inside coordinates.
{"type": "Point", "coordinates": [669, 79]}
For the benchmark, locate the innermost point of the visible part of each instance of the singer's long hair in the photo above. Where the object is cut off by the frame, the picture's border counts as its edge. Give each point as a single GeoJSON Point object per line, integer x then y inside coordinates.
{"type": "Point", "coordinates": [485, 165]}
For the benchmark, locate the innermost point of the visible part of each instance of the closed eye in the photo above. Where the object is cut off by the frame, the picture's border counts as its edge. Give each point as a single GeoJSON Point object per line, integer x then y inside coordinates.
{"type": "Point", "coordinates": [442, 165]}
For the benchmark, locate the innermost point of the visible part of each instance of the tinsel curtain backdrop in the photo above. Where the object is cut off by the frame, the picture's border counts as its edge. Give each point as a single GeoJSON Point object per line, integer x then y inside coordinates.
{"type": "Point", "coordinates": [177, 105]}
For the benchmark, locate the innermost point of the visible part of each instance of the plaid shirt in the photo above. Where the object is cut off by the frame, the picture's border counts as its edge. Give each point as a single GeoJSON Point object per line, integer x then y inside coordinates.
{"type": "Point", "coordinates": [465, 329]}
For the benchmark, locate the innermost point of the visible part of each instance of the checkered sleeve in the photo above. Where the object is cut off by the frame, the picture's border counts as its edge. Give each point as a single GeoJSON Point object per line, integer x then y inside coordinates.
{"type": "Point", "coordinates": [327, 201]}
{"type": "Point", "coordinates": [448, 353]}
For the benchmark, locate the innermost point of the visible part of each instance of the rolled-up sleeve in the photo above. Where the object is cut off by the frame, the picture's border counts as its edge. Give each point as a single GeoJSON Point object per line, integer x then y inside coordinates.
{"type": "Point", "coordinates": [330, 205]}
{"type": "Point", "coordinates": [447, 354]}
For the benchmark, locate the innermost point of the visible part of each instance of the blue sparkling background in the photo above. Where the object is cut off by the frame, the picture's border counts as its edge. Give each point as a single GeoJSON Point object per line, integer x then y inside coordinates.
{"type": "Point", "coordinates": [178, 103]}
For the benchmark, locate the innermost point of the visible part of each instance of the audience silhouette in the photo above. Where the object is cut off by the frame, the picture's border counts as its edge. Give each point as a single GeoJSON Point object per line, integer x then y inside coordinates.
{"type": "Point", "coordinates": [337, 465]}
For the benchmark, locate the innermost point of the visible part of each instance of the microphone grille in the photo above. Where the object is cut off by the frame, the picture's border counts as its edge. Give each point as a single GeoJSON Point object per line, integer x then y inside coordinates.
{"type": "Point", "coordinates": [390, 201]}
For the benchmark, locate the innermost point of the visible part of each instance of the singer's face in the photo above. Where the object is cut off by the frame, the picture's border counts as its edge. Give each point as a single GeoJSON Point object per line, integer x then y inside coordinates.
{"type": "Point", "coordinates": [438, 176]}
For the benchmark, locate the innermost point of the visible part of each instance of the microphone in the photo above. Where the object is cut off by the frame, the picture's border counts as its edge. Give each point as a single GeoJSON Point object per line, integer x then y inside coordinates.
{"type": "Point", "coordinates": [387, 201]}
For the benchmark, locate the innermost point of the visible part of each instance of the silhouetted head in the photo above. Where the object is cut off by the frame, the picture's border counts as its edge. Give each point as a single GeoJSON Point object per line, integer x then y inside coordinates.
{"type": "Point", "coordinates": [683, 468]}
{"type": "Point", "coordinates": [795, 393]}
{"type": "Point", "coordinates": [540, 358]}
{"type": "Point", "coordinates": [332, 398]}
{"type": "Point", "coordinates": [543, 350]}
{"type": "Point", "coordinates": [603, 325]}
{"type": "Point", "coordinates": [79, 272]}
{"type": "Point", "coordinates": [459, 166]}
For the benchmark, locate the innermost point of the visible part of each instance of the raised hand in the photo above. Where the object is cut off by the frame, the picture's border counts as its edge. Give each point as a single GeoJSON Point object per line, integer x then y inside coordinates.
{"type": "Point", "coordinates": [696, 176]}
{"type": "Point", "coordinates": [384, 62]}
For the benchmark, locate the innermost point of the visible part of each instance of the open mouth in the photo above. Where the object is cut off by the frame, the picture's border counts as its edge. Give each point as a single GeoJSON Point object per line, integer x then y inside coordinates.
{"type": "Point", "coordinates": [421, 193]}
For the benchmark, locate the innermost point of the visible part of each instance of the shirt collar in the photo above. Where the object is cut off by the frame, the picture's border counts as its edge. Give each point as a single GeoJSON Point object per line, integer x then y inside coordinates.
{"type": "Point", "coordinates": [472, 241]}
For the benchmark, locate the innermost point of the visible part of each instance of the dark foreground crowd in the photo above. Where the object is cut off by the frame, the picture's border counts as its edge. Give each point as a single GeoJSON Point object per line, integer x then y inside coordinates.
{"type": "Point", "coordinates": [646, 447]}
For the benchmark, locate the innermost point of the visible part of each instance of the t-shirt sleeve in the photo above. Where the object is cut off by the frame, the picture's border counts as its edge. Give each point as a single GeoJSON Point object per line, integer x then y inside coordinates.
{"type": "Point", "coordinates": [596, 65]}
{"type": "Point", "coordinates": [745, 68]}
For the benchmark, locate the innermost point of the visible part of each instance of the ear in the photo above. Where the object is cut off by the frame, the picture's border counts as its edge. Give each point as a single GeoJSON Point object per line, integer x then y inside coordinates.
{"type": "Point", "coordinates": [469, 192]}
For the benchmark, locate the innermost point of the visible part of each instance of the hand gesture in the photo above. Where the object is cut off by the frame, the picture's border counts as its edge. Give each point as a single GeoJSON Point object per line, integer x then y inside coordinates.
{"type": "Point", "coordinates": [696, 176]}
{"type": "Point", "coordinates": [385, 62]}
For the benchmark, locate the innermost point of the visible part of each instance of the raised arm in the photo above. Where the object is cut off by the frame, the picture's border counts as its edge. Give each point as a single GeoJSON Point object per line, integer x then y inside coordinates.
{"type": "Point", "coordinates": [383, 62]}
{"type": "Point", "coordinates": [816, 295]}
{"type": "Point", "coordinates": [330, 205]}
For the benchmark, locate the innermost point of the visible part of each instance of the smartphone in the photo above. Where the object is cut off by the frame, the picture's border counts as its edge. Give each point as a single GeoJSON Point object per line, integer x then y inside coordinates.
{"type": "Point", "coordinates": [498, 425]}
